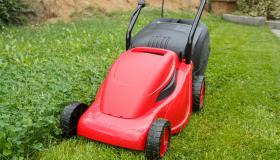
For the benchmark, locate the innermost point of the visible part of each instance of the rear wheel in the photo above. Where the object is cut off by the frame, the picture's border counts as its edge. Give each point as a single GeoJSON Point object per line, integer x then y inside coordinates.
{"type": "Point", "coordinates": [199, 87]}
{"type": "Point", "coordinates": [158, 140]}
{"type": "Point", "coordinates": [70, 117]}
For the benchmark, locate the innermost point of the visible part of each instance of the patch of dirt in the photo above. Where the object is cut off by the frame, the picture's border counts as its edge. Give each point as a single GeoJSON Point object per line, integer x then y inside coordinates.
{"type": "Point", "coordinates": [52, 10]}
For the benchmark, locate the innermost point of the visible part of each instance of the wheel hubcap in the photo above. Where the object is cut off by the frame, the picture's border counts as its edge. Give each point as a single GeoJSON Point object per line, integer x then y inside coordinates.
{"type": "Point", "coordinates": [202, 93]}
{"type": "Point", "coordinates": [164, 142]}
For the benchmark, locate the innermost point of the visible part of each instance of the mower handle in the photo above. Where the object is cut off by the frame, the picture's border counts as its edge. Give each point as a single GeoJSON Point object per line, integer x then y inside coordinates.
{"type": "Point", "coordinates": [141, 4]}
{"type": "Point", "coordinates": [188, 48]}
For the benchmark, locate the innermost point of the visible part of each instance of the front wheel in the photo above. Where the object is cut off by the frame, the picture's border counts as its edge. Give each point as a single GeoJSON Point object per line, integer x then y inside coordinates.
{"type": "Point", "coordinates": [158, 140]}
{"type": "Point", "coordinates": [70, 117]}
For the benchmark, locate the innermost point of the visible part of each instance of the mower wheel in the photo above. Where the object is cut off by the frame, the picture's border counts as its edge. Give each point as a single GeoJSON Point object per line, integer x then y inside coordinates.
{"type": "Point", "coordinates": [198, 93]}
{"type": "Point", "coordinates": [70, 117]}
{"type": "Point", "coordinates": [158, 140]}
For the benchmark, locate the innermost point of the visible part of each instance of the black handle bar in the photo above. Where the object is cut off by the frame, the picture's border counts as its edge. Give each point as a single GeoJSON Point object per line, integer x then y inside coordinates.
{"type": "Point", "coordinates": [141, 4]}
{"type": "Point", "coordinates": [188, 48]}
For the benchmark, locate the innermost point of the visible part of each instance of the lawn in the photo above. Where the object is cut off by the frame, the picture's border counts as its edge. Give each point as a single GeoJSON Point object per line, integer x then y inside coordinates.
{"type": "Point", "coordinates": [43, 66]}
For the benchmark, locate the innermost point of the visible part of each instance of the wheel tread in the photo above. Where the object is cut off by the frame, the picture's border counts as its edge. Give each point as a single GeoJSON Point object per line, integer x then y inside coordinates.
{"type": "Point", "coordinates": [197, 86]}
{"type": "Point", "coordinates": [66, 122]}
{"type": "Point", "coordinates": [154, 139]}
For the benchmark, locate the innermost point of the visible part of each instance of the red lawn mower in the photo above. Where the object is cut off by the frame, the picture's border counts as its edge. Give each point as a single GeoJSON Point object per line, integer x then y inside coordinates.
{"type": "Point", "coordinates": [150, 90]}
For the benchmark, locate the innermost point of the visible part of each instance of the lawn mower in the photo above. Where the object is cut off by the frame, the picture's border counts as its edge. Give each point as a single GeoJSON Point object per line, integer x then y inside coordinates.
{"type": "Point", "coordinates": [150, 90]}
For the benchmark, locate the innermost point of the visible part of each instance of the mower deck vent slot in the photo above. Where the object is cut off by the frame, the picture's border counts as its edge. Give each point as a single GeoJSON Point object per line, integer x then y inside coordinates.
{"type": "Point", "coordinates": [168, 90]}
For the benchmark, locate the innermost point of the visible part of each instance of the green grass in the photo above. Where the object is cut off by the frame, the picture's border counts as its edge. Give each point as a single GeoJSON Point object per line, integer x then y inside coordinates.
{"type": "Point", "coordinates": [44, 66]}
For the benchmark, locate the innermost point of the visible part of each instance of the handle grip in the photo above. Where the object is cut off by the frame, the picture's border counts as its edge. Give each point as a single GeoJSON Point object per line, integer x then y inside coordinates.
{"type": "Point", "coordinates": [141, 2]}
